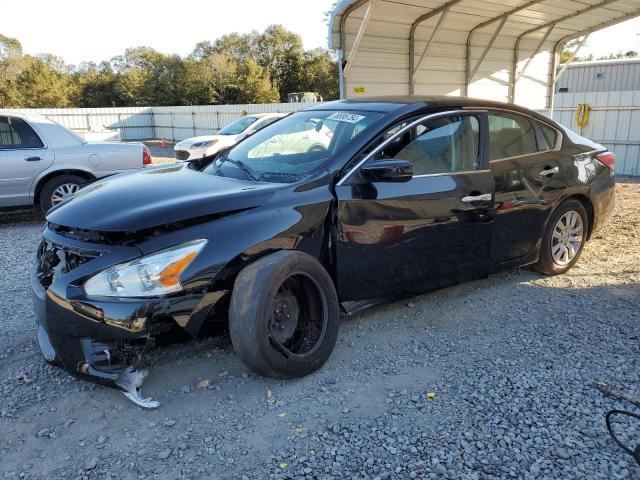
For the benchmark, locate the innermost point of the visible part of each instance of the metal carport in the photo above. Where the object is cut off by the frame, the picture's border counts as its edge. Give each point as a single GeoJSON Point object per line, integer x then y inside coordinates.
{"type": "Point", "coordinates": [504, 50]}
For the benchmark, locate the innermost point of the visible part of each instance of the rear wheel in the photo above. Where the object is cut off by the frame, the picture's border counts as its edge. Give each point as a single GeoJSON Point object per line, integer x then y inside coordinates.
{"type": "Point", "coordinates": [564, 238]}
{"type": "Point", "coordinates": [284, 317]}
{"type": "Point", "coordinates": [58, 189]}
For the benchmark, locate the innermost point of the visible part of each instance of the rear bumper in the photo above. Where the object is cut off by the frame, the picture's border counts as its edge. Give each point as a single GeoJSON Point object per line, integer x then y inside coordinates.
{"type": "Point", "coordinates": [604, 204]}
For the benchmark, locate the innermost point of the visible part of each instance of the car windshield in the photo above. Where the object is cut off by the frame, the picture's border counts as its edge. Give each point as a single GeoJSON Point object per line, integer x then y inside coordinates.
{"type": "Point", "coordinates": [237, 127]}
{"type": "Point", "coordinates": [291, 148]}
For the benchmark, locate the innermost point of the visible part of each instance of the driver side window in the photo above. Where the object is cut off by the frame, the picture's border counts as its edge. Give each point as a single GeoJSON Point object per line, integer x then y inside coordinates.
{"type": "Point", "coordinates": [441, 145]}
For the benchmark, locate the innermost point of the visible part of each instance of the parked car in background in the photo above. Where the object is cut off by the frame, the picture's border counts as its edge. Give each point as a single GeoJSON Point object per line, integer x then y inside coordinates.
{"type": "Point", "coordinates": [301, 97]}
{"type": "Point", "coordinates": [275, 237]}
{"type": "Point", "coordinates": [44, 163]}
{"type": "Point", "coordinates": [206, 146]}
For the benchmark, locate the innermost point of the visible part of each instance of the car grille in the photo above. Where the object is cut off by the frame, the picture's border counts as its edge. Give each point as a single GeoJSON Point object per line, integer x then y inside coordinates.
{"type": "Point", "coordinates": [182, 155]}
{"type": "Point", "coordinates": [55, 260]}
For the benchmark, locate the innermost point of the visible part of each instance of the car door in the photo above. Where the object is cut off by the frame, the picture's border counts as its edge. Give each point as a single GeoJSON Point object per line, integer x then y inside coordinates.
{"type": "Point", "coordinates": [524, 159]}
{"type": "Point", "coordinates": [431, 231]}
{"type": "Point", "coordinates": [23, 156]}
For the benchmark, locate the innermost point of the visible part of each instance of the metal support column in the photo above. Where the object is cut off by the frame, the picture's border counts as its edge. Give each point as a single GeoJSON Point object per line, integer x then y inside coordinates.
{"type": "Point", "coordinates": [413, 69]}
{"type": "Point", "coordinates": [359, 35]}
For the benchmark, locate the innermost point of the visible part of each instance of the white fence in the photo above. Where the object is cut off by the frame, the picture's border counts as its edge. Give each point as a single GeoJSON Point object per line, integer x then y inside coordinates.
{"type": "Point", "coordinates": [145, 123]}
{"type": "Point", "coordinates": [614, 122]}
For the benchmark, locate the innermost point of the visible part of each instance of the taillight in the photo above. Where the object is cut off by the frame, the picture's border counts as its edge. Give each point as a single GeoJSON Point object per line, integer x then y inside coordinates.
{"type": "Point", "coordinates": [146, 156]}
{"type": "Point", "coordinates": [609, 159]}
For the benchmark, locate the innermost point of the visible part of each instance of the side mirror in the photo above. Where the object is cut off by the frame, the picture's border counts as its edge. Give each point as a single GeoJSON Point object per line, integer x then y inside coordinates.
{"type": "Point", "coordinates": [388, 171]}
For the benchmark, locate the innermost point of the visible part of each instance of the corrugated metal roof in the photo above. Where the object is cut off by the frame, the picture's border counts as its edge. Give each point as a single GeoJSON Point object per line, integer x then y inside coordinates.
{"type": "Point", "coordinates": [498, 49]}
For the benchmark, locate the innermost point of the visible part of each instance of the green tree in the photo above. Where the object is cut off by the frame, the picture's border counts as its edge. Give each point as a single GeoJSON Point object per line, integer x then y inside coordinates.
{"type": "Point", "coordinates": [567, 53]}
{"type": "Point", "coordinates": [254, 85]}
{"type": "Point", "coordinates": [197, 85]}
{"type": "Point", "coordinates": [320, 74]}
{"type": "Point", "coordinates": [12, 64]}
{"type": "Point", "coordinates": [45, 81]}
{"type": "Point", "coordinates": [279, 52]}
{"type": "Point", "coordinates": [9, 47]}
{"type": "Point", "coordinates": [95, 86]}
{"type": "Point", "coordinates": [235, 68]}
{"type": "Point", "coordinates": [240, 47]}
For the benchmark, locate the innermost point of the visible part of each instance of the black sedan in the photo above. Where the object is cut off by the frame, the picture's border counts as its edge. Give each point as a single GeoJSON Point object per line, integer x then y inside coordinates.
{"type": "Point", "coordinates": [280, 234]}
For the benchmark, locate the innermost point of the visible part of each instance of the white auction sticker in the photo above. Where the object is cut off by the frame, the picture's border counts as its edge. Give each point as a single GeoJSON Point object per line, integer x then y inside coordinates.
{"type": "Point", "coordinates": [345, 117]}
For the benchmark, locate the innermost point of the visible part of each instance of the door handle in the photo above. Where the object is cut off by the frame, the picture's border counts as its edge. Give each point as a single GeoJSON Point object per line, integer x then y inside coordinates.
{"type": "Point", "coordinates": [485, 197]}
{"type": "Point", "coordinates": [33, 159]}
{"type": "Point", "coordinates": [547, 172]}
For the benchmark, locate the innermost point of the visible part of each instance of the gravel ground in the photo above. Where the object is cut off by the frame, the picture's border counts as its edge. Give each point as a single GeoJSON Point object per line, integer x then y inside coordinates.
{"type": "Point", "coordinates": [486, 380]}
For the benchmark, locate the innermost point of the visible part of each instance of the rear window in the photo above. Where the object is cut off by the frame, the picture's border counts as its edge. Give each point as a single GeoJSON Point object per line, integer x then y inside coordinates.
{"type": "Point", "coordinates": [549, 134]}
{"type": "Point", "coordinates": [16, 133]}
{"type": "Point", "coordinates": [510, 135]}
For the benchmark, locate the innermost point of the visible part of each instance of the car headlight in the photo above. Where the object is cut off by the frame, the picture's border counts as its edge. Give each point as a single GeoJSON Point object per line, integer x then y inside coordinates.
{"type": "Point", "coordinates": [149, 276]}
{"type": "Point", "coordinates": [208, 143]}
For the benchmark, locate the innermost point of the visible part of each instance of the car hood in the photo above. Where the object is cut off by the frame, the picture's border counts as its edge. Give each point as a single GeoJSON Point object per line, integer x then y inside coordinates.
{"type": "Point", "coordinates": [157, 196]}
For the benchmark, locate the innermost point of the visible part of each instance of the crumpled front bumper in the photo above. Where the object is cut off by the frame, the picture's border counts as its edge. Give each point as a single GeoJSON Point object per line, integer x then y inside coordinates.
{"type": "Point", "coordinates": [101, 339]}
{"type": "Point", "coordinates": [73, 334]}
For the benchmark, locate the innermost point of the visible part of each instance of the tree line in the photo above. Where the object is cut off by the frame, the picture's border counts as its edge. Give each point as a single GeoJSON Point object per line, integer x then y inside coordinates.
{"type": "Point", "coordinates": [235, 68]}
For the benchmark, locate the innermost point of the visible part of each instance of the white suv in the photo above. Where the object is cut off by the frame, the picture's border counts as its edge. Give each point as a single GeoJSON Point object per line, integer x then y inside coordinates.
{"type": "Point", "coordinates": [198, 148]}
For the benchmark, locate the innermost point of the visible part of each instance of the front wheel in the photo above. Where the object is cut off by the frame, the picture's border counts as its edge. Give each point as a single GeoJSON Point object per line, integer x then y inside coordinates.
{"type": "Point", "coordinates": [284, 315]}
{"type": "Point", "coordinates": [564, 238]}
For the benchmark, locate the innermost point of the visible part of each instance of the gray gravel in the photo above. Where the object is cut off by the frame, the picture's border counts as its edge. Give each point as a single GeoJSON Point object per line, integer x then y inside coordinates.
{"type": "Point", "coordinates": [486, 380]}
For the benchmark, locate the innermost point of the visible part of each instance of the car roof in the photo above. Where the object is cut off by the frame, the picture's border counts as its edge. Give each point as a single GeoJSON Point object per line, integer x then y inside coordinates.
{"type": "Point", "coordinates": [29, 117]}
{"type": "Point", "coordinates": [263, 115]}
{"type": "Point", "coordinates": [389, 104]}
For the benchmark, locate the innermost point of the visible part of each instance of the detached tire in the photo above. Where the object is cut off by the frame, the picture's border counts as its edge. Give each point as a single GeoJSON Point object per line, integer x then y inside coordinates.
{"type": "Point", "coordinates": [57, 187]}
{"type": "Point", "coordinates": [284, 316]}
{"type": "Point", "coordinates": [564, 238]}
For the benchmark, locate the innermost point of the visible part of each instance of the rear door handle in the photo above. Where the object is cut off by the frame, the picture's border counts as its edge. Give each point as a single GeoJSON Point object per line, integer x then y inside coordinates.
{"type": "Point", "coordinates": [486, 197]}
{"type": "Point", "coordinates": [547, 172]}
{"type": "Point", "coordinates": [33, 159]}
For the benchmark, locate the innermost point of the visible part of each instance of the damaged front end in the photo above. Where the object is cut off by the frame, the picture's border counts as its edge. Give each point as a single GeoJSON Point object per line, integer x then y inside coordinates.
{"type": "Point", "coordinates": [104, 338]}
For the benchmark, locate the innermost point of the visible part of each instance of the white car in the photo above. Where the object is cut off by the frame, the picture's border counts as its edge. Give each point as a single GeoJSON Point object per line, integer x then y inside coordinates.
{"type": "Point", "coordinates": [44, 163]}
{"type": "Point", "coordinates": [205, 146]}
{"type": "Point", "coordinates": [304, 137]}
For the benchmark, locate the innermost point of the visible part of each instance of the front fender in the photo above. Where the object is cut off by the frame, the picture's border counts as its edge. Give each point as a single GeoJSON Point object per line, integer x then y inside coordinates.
{"type": "Point", "coordinates": [236, 240]}
{"type": "Point", "coordinates": [292, 219]}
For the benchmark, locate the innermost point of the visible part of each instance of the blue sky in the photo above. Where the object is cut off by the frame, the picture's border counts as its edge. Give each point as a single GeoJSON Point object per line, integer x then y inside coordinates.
{"type": "Point", "coordinates": [78, 30]}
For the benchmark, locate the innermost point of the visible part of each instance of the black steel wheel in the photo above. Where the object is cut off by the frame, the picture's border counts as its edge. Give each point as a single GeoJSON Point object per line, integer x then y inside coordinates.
{"type": "Point", "coordinates": [283, 317]}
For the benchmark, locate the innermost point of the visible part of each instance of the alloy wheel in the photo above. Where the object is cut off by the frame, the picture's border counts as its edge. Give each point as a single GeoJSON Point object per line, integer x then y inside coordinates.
{"type": "Point", "coordinates": [567, 238]}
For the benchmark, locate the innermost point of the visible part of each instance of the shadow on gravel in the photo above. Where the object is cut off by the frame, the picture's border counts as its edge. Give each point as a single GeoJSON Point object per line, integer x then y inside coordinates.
{"type": "Point", "coordinates": [8, 217]}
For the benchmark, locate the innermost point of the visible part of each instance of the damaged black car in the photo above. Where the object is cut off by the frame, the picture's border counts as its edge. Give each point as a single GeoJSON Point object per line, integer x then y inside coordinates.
{"type": "Point", "coordinates": [334, 208]}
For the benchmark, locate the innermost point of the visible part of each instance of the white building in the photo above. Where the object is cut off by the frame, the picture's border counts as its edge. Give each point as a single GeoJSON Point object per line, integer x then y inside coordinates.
{"type": "Point", "coordinates": [612, 90]}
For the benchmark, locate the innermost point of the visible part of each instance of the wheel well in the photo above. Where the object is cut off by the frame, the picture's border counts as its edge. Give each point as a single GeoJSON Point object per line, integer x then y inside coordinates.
{"type": "Point", "coordinates": [41, 183]}
{"type": "Point", "coordinates": [588, 206]}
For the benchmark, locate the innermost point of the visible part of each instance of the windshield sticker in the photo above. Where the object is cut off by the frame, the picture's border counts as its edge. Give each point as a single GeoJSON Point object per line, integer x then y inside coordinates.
{"type": "Point", "coordinates": [345, 117]}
